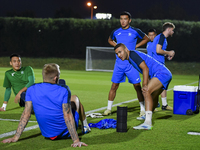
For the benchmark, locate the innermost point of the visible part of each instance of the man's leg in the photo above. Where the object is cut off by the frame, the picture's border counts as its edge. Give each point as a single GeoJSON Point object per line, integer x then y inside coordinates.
{"type": "Point", "coordinates": [164, 101]}
{"type": "Point", "coordinates": [111, 98]}
{"type": "Point", "coordinates": [153, 85]}
{"type": "Point", "coordinates": [76, 105]}
{"type": "Point", "coordinates": [140, 97]}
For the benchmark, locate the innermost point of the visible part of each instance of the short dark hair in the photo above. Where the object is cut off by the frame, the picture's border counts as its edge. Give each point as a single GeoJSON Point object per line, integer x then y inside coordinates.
{"type": "Point", "coordinates": [119, 45]}
{"type": "Point", "coordinates": [152, 30]}
{"type": "Point", "coordinates": [14, 55]}
{"type": "Point", "coordinates": [126, 13]}
{"type": "Point", "coordinates": [168, 25]}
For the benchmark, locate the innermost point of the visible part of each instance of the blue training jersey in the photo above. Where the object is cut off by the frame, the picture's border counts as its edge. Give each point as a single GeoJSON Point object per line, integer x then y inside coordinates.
{"type": "Point", "coordinates": [128, 37]}
{"type": "Point", "coordinates": [47, 100]}
{"type": "Point", "coordinates": [159, 39]}
{"type": "Point", "coordinates": [136, 58]}
{"type": "Point", "coordinates": [149, 48]}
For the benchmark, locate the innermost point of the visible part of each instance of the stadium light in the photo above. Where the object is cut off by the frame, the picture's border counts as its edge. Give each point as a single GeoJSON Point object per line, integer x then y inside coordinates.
{"type": "Point", "coordinates": [89, 4]}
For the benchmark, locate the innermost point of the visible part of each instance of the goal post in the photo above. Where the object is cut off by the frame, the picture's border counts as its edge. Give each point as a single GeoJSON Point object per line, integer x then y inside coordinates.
{"type": "Point", "coordinates": [101, 58]}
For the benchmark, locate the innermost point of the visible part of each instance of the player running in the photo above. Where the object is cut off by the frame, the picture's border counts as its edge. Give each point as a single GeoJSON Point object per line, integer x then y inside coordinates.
{"type": "Point", "coordinates": [159, 53]}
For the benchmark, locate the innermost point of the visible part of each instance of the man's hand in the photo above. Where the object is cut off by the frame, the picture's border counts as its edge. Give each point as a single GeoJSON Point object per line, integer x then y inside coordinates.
{"type": "Point", "coordinates": [79, 144]}
{"type": "Point", "coordinates": [17, 98]}
{"type": "Point", "coordinates": [170, 55]}
{"type": "Point", "coordinates": [144, 89]}
{"type": "Point", "coordinates": [13, 139]}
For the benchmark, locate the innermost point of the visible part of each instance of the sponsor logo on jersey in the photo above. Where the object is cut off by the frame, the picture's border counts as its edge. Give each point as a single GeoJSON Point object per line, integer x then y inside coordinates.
{"type": "Point", "coordinates": [119, 33]}
{"type": "Point", "coordinates": [13, 73]}
{"type": "Point", "coordinates": [22, 72]}
{"type": "Point", "coordinates": [129, 34]}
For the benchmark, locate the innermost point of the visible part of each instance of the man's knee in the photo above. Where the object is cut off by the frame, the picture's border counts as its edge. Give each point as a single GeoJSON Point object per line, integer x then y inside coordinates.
{"type": "Point", "coordinates": [114, 86]}
{"type": "Point", "coordinates": [75, 102]}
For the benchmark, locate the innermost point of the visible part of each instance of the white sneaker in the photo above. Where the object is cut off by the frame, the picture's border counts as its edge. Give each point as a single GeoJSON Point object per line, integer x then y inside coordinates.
{"type": "Point", "coordinates": [85, 129]}
{"type": "Point", "coordinates": [142, 116]}
{"type": "Point", "coordinates": [107, 112]}
{"type": "Point", "coordinates": [143, 126]}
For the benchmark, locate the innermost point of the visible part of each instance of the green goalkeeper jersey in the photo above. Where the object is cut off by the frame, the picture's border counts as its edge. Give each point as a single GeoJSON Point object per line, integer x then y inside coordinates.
{"type": "Point", "coordinates": [18, 79]}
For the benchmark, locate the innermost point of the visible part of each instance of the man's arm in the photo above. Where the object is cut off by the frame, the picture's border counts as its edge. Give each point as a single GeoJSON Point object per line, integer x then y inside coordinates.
{"type": "Point", "coordinates": [159, 50]}
{"type": "Point", "coordinates": [22, 124]}
{"type": "Point", "coordinates": [111, 42]}
{"type": "Point", "coordinates": [144, 41]}
{"type": "Point", "coordinates": [69, 120]}
{"type": "Point", "coordinates": [145, 71]}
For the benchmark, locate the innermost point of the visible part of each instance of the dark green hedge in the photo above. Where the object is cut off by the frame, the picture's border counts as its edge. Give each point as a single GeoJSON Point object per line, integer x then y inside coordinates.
{"type": "Point", "coordinates": [69, 37]}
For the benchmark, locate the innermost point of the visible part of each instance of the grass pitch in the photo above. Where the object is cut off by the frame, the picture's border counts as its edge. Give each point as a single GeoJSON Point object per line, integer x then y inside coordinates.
{"type": "Point", "coordinates": [169, 130]}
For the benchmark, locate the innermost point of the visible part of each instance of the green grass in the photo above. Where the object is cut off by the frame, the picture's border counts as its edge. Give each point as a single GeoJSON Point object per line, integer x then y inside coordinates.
{"type": "Point", "coordinates": [169, 130]}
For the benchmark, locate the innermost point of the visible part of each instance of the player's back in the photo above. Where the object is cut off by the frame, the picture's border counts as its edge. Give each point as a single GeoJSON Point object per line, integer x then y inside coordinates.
{"type": "Point", "coordinates": [47, 100]}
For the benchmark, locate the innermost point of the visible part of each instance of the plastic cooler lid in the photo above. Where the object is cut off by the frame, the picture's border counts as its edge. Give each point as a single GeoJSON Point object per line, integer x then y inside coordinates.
{"type": "Point", "coordinates": [186, 88]}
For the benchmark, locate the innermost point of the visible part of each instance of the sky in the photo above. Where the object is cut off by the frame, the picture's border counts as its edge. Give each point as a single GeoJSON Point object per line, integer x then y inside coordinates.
{"type": "Point", "coordinates": [47, 8]}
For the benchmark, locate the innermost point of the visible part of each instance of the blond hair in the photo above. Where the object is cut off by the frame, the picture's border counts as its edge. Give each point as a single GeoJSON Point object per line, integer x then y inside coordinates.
{"type": "Point", "coordinates": [50, 71]}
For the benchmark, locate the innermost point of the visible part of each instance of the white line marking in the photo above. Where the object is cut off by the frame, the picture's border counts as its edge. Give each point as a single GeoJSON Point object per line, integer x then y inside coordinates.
{"type": "Point", "coordinates": [14, 120]}
{"type": "Point", "coordinates": [13, 132]}
{"type": "Point", "coordinates": [193, 133]}
{"type": "Point", "coordinates": [92, 111]}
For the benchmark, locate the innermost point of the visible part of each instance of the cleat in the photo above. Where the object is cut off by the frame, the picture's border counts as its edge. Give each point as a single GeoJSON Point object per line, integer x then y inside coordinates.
{"type": "Point", "coordinates": [166, 107]}
{"type": "Point", "coordinates": [86, 129]}
{"type": "Point", "coordinates": [107, 112]}
{"type": "Point", "coordinates": [155, 110]}
{"type": "Point", "coordinates": [142, 116]}
{"type": "Point", "coordinates": [143, 126]}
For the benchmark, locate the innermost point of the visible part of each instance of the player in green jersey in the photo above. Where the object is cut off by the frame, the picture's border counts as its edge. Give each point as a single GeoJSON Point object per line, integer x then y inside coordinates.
{"type": "Point", "coordinates": [19, 78]}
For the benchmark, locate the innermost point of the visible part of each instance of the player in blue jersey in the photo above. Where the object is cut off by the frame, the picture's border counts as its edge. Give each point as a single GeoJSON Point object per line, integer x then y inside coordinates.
{"type": "Point", "coordinates": [159, 53]}
{"type": "Point", "coordinates": [122, 69]}
{"type": "Point", "coordinates": [56, 111]}
{"type": "Point", "coordinates": [156, 77]}
{"type": "Point", "coordinates": [151, 34]}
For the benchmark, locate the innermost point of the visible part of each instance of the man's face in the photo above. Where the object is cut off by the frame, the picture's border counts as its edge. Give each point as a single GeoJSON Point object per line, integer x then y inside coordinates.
{"type": "Point", "coordinates": [151, 35]}
{"type": "Point", "coordinates": [121, 53]}
{"type": "Point", "coordinates": [16, 63]}
{"type": "Point", "coordinates": [124, 20]}
{"type": "Point", "coordinates": [170, 31]}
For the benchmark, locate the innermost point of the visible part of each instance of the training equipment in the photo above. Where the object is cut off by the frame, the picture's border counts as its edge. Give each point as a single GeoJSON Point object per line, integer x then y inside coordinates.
{"type": "Point", "coordinates": [143, 126]}
{"type": "Point", "coordinates": [121, 119]}
{"type": "Point", "coordinates": [107, 112]}
{"type": "Point", "coordinates": [185, 102]}
{"type": "Point", "coordinates": [101, 58]}
{"type": "Point", "coordinates": [166, 107]}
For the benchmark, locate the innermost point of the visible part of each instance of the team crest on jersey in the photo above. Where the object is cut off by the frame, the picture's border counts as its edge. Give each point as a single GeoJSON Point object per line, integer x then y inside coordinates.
{"type": "Point", "coordinates": [129, 34]}
{"type": "Point", "coordinates": [22, 72]}
{"type": "Point", "coordinates": [13, 73]}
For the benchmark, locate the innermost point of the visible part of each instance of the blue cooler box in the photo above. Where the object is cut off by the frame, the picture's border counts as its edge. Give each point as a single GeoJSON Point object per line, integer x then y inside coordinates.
{"type": "Point", "coordinates": [184, 99]}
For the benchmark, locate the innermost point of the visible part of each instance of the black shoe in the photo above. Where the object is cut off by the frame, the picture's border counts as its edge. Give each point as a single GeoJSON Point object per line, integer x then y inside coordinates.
{"type": "Point", "coordinates": [166, 107]}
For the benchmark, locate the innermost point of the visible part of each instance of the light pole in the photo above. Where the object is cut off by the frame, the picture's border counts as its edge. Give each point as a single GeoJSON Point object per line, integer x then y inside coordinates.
{"type": "Point", "coordinates": [92, 7]}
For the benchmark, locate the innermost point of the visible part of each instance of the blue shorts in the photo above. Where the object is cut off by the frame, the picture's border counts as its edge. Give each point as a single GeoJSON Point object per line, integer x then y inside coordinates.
{"type": "Point", "coordinates": [164, 76]}
{"type": "Point", "coordinates": [65, 134]}
{"type": "Point", "coordinates": [120, 73]}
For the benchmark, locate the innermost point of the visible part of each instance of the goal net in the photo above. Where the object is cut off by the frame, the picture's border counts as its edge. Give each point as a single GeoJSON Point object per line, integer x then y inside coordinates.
{"type": "Point", "coordinates": [101, 58]}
